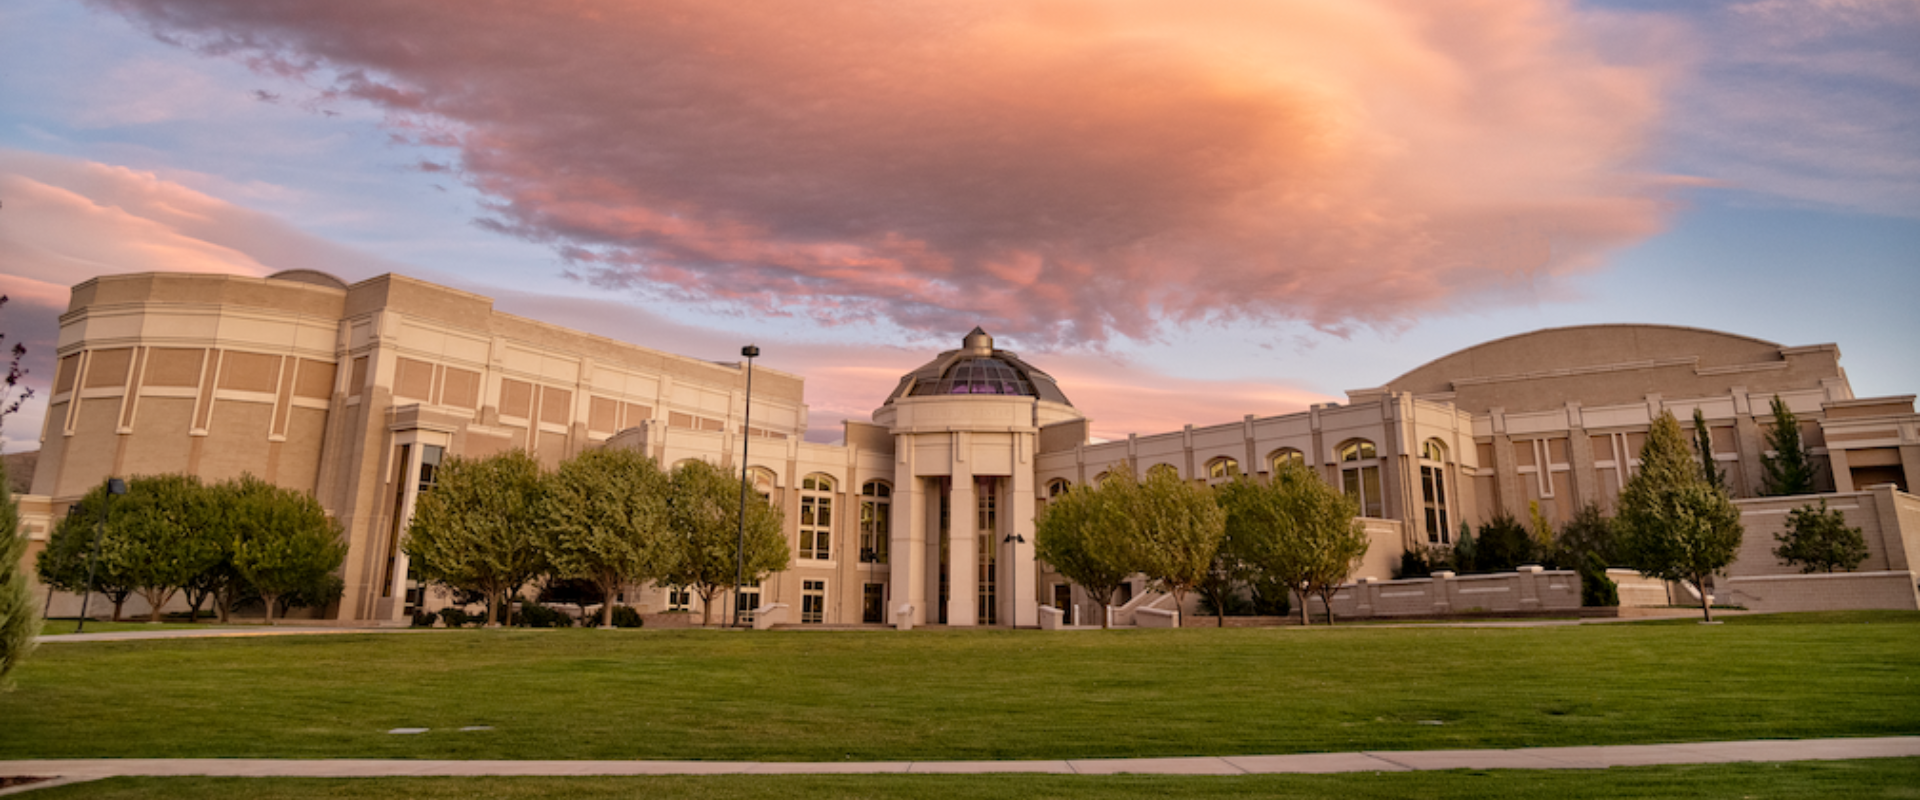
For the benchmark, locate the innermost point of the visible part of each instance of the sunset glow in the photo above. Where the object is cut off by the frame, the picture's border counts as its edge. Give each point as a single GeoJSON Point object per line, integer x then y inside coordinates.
{"type": "Point", "coordinates": [1186, 212]}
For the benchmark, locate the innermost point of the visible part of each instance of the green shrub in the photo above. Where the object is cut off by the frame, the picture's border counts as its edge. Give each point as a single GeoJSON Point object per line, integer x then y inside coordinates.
{"type": "Point", "coordinates": [626, 617]}
{"type": "Point", "coordinates": [533, 615]}
{"type": "Point", "coordinates": [1503, 544]}
{"type": "Point", "coordinates": [1270, 598]}
{"type": "Point", "coordinates": [1596, 589]}
{"type": "Point", "coordinates": [1236, 606]}
{"type": "Point", "coordinates": [455, 616]}
{"type": "Point", "coordinates": [424, 619]}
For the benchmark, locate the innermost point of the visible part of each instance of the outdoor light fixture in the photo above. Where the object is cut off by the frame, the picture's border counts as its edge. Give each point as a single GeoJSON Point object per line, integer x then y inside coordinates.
{"type": "Point", "coordinates": [115, 486]}
{"type": "Point", "coordinates": [750, 352]}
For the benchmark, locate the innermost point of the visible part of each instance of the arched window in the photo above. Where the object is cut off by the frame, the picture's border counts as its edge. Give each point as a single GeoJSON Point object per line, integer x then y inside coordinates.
{"type": "Point", "coordinates": [1433, 491]}
{"type": "Point", "coordinates": [764, 483]}
{"type": "Point", "coordinates": [1162, 469]}
{"type": "Point", "coordinates": [1222, 468]}
{"type": "Point", "coordinates": [1100, 479]}
{"type": "Point", "coordinates": [1057, 487]}
{"type": "Point", "coordinates": [1360, 477]}
{"type": "Point", "coordinates": [816, 517]}
{"type": "Point", "coordinates": [876, 521]}
{"type": "Point", "coordinates": [1284, 456]}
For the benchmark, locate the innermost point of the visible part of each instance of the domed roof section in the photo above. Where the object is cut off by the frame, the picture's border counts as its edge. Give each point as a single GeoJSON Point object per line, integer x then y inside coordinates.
{"type": "Point", "coordinates": [312, 277]}
{"type": "Point", "coordinates": [978, 368]}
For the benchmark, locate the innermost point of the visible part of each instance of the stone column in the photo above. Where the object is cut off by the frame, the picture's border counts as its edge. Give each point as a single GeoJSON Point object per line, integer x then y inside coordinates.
{"type": "Point", "coordinates": [963, 555]}
{"type": "Point", "coordinates": [906, 564]}
{"type": "Point", "coordinates": [1022, 570]}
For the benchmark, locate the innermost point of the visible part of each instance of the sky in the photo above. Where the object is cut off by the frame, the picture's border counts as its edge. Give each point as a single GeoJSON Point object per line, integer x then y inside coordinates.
{"type": "Point", "coordinates": [1185, 212]}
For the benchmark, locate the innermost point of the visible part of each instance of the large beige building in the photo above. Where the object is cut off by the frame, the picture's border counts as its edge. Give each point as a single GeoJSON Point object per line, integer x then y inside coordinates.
{"type": "Point", "coordinates": [926, 513]}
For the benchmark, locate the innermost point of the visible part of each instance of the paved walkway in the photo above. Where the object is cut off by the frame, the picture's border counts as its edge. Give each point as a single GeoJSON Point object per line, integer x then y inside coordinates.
{"type": "Point", "coordinates": [210, 632]}
{"type": "Point", "coordinates": [1598, 757]}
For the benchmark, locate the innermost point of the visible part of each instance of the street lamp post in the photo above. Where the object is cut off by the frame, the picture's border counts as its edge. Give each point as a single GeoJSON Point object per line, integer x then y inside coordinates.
{"type": "Point", "coordinates": [1013, 603]}
{"type": "Point", "coordinates": [746, 437]}
{"type": "Point", "coordinates": [115, 486]}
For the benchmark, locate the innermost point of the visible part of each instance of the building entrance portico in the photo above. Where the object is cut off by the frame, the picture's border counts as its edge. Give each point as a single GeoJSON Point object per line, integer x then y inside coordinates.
{"type": "Point", "coordinates": [964, 430]}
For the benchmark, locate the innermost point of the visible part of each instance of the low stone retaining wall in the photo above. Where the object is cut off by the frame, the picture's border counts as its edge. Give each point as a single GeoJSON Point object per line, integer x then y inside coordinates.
{"type": "Point", "coordinates": [1820, 591]}
{"type": "Point", "coordinates": [1527, 589]}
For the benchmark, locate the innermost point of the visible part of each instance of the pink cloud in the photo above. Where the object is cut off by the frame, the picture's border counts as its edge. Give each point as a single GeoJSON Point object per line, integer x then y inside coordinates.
{"type": "Point", "coordinates": [66, 220]}
{"type": "Point", "coordinates": [1065, 170]}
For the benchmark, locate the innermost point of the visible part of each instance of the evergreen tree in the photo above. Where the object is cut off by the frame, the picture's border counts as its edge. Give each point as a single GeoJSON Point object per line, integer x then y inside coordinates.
{"type": "Point", "coordinates": [1820, 540]}
{"type": "Point", "coordinates": [1703, 446]}
{"type": "Point", "coordinates": [1671, 523]}
{"type": "Point", "coordinates": [19, 620]}
{"type": "Point", "coordinates": [1789, 471]}
{"type": "Point", "coordinates": [1502, 545]}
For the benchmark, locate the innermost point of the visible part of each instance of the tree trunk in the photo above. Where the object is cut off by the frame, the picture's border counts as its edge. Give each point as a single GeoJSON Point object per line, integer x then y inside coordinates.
{"type": "Point", "coordinates": [118, 601]}
{"type": "Point", "coordinates": [706, 606]}
{"type": "Point", "coordinates": [1326, 599]}
{"type": "Point", "coordinates": [269, 598]}
{"type": "Point", "coordinates": [1305, 620]}
{"type": "Point", "coordinates": [1706, 603]}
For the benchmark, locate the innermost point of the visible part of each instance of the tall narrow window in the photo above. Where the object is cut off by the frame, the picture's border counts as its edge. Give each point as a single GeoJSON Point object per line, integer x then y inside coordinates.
{"type": "Point", "coordinates": [876, 521]}
{"type": "Point", "coordinates": [816, 517]}
{"type": "Point", "coordinates": [988, 548]}
{"type": "Point", "coordinates": [1360, 477]}
{"type": "Point", "coordinates": [1433, 491]}
{"type": "Point", "coordinates": [749, 601]}
{"type": "Point", "coordinates": [813, 602]}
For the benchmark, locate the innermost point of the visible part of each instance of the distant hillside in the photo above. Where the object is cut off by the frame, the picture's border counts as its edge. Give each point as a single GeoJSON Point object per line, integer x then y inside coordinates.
{"type": "Point", "coordinates": [20, 470]}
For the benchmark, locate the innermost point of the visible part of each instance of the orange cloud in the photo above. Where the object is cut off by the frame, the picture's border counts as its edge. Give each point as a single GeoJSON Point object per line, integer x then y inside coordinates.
{"type": "Point", "coordinates": [1063, 169]}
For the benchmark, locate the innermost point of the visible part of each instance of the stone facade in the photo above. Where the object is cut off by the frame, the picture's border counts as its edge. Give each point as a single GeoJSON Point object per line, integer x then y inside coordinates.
{"type": "Point", "coordinates": [356, 392]}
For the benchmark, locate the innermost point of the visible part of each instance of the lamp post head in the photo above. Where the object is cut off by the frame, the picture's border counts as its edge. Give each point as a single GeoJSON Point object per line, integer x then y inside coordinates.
{"type": "Point", "coordinates": [116, 486]}
{"type": "Point", "coordinates": [750, 351]}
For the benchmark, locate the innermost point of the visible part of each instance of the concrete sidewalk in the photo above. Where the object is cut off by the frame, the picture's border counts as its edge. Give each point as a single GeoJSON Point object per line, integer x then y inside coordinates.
{"type": "Point", "coordinates": [213, 632]}
{"type": "Point", "coordinates": [1597, 757]}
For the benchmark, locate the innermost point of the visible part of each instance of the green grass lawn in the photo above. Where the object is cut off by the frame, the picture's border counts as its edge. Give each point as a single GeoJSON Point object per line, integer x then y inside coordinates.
{"type": "Point", "coordinates": [1875, 778]}
{"type": "Point", "coordinates": [881, 695]}
{"type": "Point", "coordinates": [58, 627]}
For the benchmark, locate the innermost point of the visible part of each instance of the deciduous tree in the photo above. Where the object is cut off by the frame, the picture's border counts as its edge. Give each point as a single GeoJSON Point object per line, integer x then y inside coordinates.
{"type": "Point", "coordinates": [704, 515]}
{"type": "Point", "coordinates": [1082, 535]}
{"type": "Point", "coordinates": [64, 564]}
{"type": "Point", "coordinates": [1299, 531]}
{"type": "Point", "coordinates": [164, 537]}
{"type": "Point", "coordinates": [1820, 540]}
{"type": "Point", "coordinates": [479, 528]}
{"type": "Point", "coordinates": [607, 522]}
{"type": "Point", "coordinates": [1672, 524]}
{"type": "Point", "coordinates": [1176, 528]}
{"type": "Point", "coordinates": [285, 546]}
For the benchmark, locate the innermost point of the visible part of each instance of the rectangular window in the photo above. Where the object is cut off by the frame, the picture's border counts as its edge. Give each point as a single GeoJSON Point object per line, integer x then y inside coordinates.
{"type": "Point", "coordinates": [816, 526]}
{"type": "Point", "coordinates": [749, 600]}
{"type": "Point", "coordinates": [988, 610]}
{"type": "Point", "coordinates": [813, 602]}
{"type": "Point", "coordinates": [679, 598]}
{"type": "Point", "coordinates": [875, 524]}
